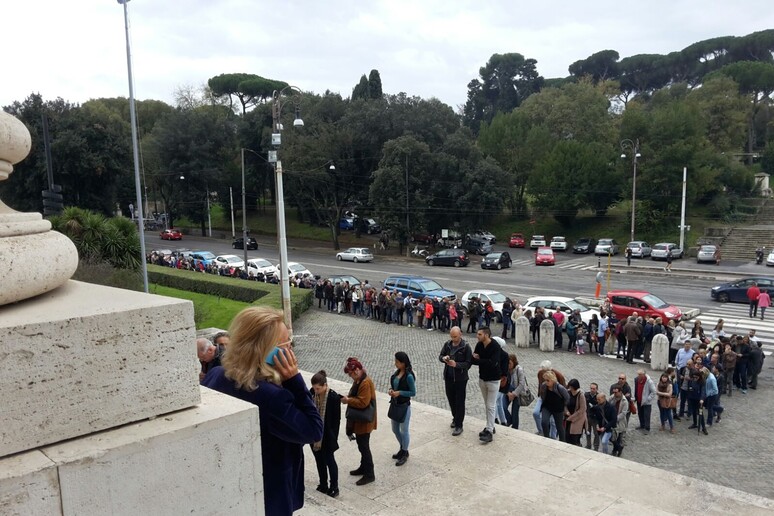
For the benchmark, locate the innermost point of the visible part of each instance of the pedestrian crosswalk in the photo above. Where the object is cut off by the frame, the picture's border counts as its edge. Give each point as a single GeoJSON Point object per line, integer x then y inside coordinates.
{"type": "Point", "coordinates": [736, 320]}
{"type": "Point", "coordinates": [572, 265]}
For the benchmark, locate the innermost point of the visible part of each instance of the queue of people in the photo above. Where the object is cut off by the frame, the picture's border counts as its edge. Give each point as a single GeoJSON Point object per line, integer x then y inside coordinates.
{"type": "Point", "coordinates": [255, 362]}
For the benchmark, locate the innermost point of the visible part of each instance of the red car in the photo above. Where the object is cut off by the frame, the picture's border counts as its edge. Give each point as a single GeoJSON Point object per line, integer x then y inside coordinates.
{"type": "Point", "coordinates": [545, 256]}
{"type": "Point", "coordinates": [517, 240]}
{"type": "Point", "coordinates": [171, 234]}
{"type": "Point", "coordinates": [625, 302]}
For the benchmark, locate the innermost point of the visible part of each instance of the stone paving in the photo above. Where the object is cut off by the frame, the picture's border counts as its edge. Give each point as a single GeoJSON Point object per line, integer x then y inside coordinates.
{"type": "Point", "coordinates": [739, 451]}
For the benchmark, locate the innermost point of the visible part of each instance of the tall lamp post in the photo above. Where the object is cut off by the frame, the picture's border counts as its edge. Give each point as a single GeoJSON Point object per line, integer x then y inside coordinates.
{"type": "Point", "coordinates": [633, 147]}
{"type": "Point", "coordinates": [276, 140]}
{"type": "Point", "coordinates": [133, 120]}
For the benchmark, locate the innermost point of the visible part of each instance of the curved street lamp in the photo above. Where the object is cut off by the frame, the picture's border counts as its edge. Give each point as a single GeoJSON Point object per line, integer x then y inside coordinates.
{"type": "Point", "coordinates": [276, 140]}
{"type": "Point", "coordinates": [634, 148]}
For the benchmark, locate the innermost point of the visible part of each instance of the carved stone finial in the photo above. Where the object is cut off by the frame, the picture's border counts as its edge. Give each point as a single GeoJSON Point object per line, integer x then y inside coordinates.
{"type": "Point", "coordinates": [35, 259]}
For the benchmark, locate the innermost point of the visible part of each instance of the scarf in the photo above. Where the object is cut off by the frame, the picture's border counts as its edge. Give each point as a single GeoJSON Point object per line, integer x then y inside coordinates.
{"type": "Point", "coordinates": [321, 401]}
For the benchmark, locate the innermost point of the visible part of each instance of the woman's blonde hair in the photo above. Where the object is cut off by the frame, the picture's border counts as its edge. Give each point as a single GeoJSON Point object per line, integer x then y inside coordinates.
{"type": "Point", "coordinates": [549, 375]}
{"type": "Point", "coordinates": [254, 333]}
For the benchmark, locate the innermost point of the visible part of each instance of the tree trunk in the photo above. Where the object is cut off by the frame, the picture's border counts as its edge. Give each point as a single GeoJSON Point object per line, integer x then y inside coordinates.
{"type": "Point", "coordinates": [334, 235]}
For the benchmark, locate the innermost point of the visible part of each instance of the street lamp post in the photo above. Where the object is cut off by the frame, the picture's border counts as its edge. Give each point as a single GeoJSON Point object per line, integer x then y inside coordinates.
{"type": "Point", "coordinates": [133, 120]}
{"type": "Point", "coordinates": [276, 140]}
{"type": "Point", "coordinates": [634, 148]}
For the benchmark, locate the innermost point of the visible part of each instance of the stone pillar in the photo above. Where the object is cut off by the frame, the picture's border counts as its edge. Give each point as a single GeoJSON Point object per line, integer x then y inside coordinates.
{"type": "Point", "coordinates": [547, 336]}
{"type": "Point", "coordinates": [659, 353]}
{"type": "Point", "coordinates": [522, 332]}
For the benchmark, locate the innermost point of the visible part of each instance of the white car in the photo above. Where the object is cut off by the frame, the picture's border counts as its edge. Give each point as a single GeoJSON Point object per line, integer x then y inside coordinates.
{"type": "Point", "coordinates": [661, 250]}
{"type": "Point", "coordinates": [537, 241]}
{"type": "Point", "coordinates": [229, 260]}
{"type": "Point", "coordinates": [770, 259]}
{"type": "Point", "coordinates": [495, 297]}
{"type": "Point", "coordinates": [558, 243]}
{"type": "Point", "coordinates": [355, 254]}
{"type": "Point", "coordinates": [257, 266]}
{"type": "Point", "coordinates": [565, 304]}
{"type": "Point", "coordinates": [295, 268]}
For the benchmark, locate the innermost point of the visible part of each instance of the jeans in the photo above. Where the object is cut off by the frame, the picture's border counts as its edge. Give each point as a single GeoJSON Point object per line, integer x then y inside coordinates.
{"type": "Point", "coordinates": [643, 411]}
{"type": "Point", "coordinates": [601, 344]}
{"type": "Point", "coordinates": [754, 308]}
{"type": "Point", "coordinates": [366, 459]}
{"type": "Point", "coordinates": [326, 462]}
{"type": "Point", "coordinates": [429, 322]}
{"type": "Point", "coordinates": [546, 417]}
{"type": "Point", "coordinates": [400, 316]}
{"type": "Point", "coordinates": [355, 307]}
{"type": "Point", "coordinates": [489, 390]}
{"type": "Point", "coordinates": [537, 414]}
{"type": "Point", "coordinates": [693, 406]}
{"type": "Point", "coordinates": [665, 415]}
{"type": "Point", "coordinates": [455, 393]}
{"type": "Point", "coordinates": [741, 372]}
{"type": "Point", "coordinates": [710, 403]}
{"type": "Point", "coordinates": [401, 430]}
{"type": "Point", "coordinates": [604, 438]}
{"type": "Point", "coordinates": [593, 434]}
{"type": "Point", "coordinates": [728, 375]}
{"type": "Point", "coordinates": [514, 412]}
{"type": "Point", "coordinates": [683, 399]}
{"type": "Point", "coordinates": [410, 317]}
{"type": "Point", "coordinates": [506, 326]}
{"type": "Point", "coordinates": [502, 399]}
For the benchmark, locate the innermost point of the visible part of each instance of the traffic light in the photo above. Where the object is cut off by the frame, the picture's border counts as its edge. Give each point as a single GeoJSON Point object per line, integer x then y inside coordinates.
{"type": "Point", "coordinates": [52, 200]}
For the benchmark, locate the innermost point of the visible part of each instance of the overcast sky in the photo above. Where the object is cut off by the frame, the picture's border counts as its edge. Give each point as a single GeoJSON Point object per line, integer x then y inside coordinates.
{"type": "Point", "coordinates": [430, 48]}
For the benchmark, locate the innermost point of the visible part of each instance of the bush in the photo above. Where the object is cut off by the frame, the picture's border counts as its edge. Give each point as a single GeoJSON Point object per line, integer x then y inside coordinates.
{"type": "Point", "coordinates": [210, 284]}
{"type": "Point", "coordinates": [103, 273]}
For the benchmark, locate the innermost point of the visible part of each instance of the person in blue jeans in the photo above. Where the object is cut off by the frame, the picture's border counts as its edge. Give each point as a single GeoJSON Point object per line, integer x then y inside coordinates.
{"type": "Point", "coordinates": [402, 389]}
{"type": "Point", "coordinates": [711, 389]}
{"type": "Point", "coordinates": [537, 412]}
{"type": "Point", "coordinates": [607, 420]}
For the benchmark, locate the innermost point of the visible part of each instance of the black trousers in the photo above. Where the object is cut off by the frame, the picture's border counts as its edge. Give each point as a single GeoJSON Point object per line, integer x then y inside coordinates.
{"type": "Point", "coordinates": [327, 462]}
{"type": "Point", "coordinates": [455, 393]}
{"type": "Point", "coordinates": [366, 459]}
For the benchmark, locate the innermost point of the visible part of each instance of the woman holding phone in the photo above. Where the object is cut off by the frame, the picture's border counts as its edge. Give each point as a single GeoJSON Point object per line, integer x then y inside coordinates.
{"type": "Point", "coordinates": [260, 367]}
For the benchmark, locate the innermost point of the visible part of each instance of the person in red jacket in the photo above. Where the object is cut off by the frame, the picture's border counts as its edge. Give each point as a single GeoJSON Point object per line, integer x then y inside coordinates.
{"type": "Point", "coordinates": [752, 295]}
{"type": "Point", "coordinates": [429, 313]}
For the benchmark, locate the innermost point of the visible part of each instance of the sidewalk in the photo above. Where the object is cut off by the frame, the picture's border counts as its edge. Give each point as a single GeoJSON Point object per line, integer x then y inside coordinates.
{"type": "Point", "coordinates": [518, 473]}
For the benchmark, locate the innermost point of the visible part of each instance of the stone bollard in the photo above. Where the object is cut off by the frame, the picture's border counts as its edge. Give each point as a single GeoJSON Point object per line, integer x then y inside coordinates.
{"type": "Point", "coordinates": [547, 336]}
{"type": "Point", "coordinates": [659, 353]}
{"type": "Point", "coordinates": [522, 332]}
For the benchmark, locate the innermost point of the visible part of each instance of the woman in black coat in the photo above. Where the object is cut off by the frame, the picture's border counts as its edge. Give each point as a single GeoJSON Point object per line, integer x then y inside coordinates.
{"type": "Point", "coordinates": [329, 405]}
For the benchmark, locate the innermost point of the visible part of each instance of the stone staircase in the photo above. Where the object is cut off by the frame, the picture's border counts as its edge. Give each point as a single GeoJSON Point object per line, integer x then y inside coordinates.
{"type": "Point", "coordinates": [741, 242]}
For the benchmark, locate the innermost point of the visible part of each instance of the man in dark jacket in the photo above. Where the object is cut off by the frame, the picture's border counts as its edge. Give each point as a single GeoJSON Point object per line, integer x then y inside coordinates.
{"type": "Point", "coordinates": [742, 363]}
{"type": "Point", "coordinates": [457, 357]}
{"type": "Point", "coordinates": [606, 417]}
{"type": "Point", "coordinates": [756, 363]}
{"type": "Point", "coordinates": [491, 368]}
{"type": "Point", "coordinates": [633, 333]}
{"type": "Point", "coordinates": [591, 415]}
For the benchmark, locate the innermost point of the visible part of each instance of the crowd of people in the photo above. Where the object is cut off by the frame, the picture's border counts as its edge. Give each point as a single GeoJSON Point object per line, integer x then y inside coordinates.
{"type": "Point", "coordinates": [255, 362]}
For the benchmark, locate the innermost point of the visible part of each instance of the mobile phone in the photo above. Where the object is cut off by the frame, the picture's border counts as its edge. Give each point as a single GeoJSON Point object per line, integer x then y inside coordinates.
{"type": "Point", "coordinates": [272, 354]}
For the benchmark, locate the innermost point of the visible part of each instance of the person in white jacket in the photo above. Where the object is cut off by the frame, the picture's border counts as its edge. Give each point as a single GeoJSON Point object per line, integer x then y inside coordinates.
{"type": "Point", "coordinates": [679, 336]}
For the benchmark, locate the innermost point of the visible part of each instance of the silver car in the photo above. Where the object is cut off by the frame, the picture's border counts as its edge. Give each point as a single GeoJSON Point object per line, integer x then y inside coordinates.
{"type": "Point", "coordinates": [606, 246]}
{"type": "Point", "coordinates": [661, 250]}
{"type": "Point", "coordinates": [640, 249]}
{"type": "Point", "coordinates": [706, 254]}
{"type": "Point", "coordinates": [355, 254]}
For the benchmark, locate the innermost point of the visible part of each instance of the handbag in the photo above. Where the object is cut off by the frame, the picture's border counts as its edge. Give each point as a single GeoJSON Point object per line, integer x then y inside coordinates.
{"type": "Point", "coordinates": [673, 402]}
{"type": "Point", "coordinates": [397, 411]}
{"type": "Point", "coordinates": [364, 415]}
{"type": "Point", "coordinates": [632, 407]}
{"type": "Point", "coordinates": [526, 397]}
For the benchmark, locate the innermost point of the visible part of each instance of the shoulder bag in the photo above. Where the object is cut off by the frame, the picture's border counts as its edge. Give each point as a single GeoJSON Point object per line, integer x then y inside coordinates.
{"type": "Point", "coordinates": [364, 415]}
{"type": "Point", "coordinates": [397, 411]}
{"type": "Point", "coordinates": [526, 397]}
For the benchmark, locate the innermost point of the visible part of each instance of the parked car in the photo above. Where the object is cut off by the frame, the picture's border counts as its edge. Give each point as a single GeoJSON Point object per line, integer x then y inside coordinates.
{"type": "Point", "coordinates": [453, 239]}
{"type": "Point", "coordinates": [537, 241]}
{"type": "Point", "coordinates": [355, 254]}
{"type": "Point", "coordinates": [256, 266]}
{"type": "Point", "coordinates": [495, 297]}
{"type": "Point", "coordinates": [418, 286]}
{"type": "Point", "coordinates": [770, 259]}
{"type": "Point", "coordinates": [455, 257]}
{"type": "Point", "coordinates": [545, 256]}
{"type": "Point", "coordinates": [422, 238]}
{"type": "Point", "coordinates": [624, 303]}
{"type": "Point", "coordinates": [204, 257]}
{"type": "Point", "coordinates": [340, 278]}
{"type": "Point", "coordinates": [497, 260]}
{"type": "Point", "coordinates": [558, 243]}
{"type": "Point", "coordinates": [239, 243]}
{"type": "Point", "coordinates": [371, 226]}
{"type": "Point", "coordinates": [517, 240]}
{"type": "Point", "coordinates": [477, 246]}
{"type": "Point", "coordinates": [229, 260]}
{"type": "Point", "coordinates": [640, 248]}
{"type": "Point", "coordinates": [584, 246]}
{"type": "Point", "coordinates": [347, 224]}
{"type": "Point", "coordinates": [736, 291]}
{"type": "Point", "coordinates": [707, 254]}
{"type": "Point", "coordinates": [563, 304]}
{"type": "Point", "coordinates": [171, 234]}
{"type": "Point", "coordinates": [181, 252]}
{"type": "Point", "coordinates": [660, 251]}
{"type": "Point", "coordinates": [294, 269]}
{"type": "Point", "coordinates": [606, 246]}
{"type": "Point", "coordinates": [484, 235]}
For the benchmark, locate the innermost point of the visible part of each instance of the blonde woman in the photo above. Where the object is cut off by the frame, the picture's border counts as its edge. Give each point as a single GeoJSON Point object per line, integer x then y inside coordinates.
{"type": "Point", "coordinates": [718, 331]}
{"type": "Point", "coordinates": [260, 367]}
